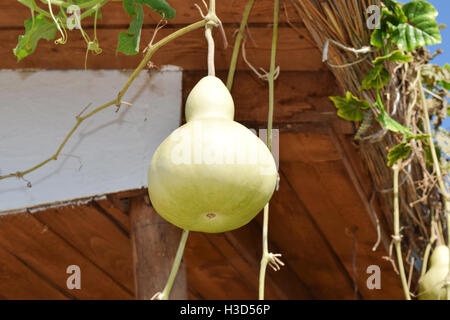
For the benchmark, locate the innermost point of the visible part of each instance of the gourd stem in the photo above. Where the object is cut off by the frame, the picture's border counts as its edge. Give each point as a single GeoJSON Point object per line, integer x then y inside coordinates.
{"type": "Point", "coordinates": [210, 40]}
{"type": "Point", "coordinates": [237, 43]}
{"type": "Point", "coordinates": [442, 187]}
{"type": "Point", "coordinates": [176, 265]}
{"type": "Point", "coordinates": [397, 237]}
{"type": "Point", "coordinates": [211, 23]}
{"type": "Point", "coordinates": [270, 79]}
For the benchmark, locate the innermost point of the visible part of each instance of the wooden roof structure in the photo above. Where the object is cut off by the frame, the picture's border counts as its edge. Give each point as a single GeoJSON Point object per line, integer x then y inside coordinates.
{"type": "Point", "coordinates": [323, 218]}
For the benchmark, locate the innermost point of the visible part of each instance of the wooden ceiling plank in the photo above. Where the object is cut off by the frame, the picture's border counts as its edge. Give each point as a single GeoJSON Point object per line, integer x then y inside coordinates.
{"type": "Point", "coordinates": [285, 283]}
{"type": "Point", "coordinates": [316, 147]}
{"type": "Point", "coordinates": [237, 261]}
{"type": "Point", "coordinates": [120, 217]}
{"type": "Point", "coordinates": [40, 248]}
{"type": "Point", "coordinates": [14, 14]}
{"type": "Point", "coordinates": [210, 274]}
{"type": "Point", "coordinates": [362, 184]}
{"type": "Point", "coordinates": [188, 52]}
{"type": "Point", "coordinates": [350, 206]}
{"type": "Point", "coordinates": [18, 281]}
{"type": "Point", "coordinates": [305, 181]}
{"type": "Point", "coordinates": [327, 192]}
{"type": "Point", "coordinates": [96, 236]}
{"type": "Point", "coordinates": [238, 248]}
{"type": "Point", "coordinates": [312, 257]}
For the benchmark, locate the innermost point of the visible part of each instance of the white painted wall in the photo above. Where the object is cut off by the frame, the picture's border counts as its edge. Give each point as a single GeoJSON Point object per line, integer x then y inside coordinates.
{"type": "Point", "coordinates": [109, 152]}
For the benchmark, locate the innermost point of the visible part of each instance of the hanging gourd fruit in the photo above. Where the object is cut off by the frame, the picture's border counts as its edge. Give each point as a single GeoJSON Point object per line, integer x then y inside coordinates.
{"type": "Point", "coordinates": [211, 174]}
{"type": "Point", "coordinates": [432, 285]}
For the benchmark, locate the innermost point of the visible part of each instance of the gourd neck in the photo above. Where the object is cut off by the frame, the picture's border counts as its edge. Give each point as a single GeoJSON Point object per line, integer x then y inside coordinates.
{"type": "Point", "coordinates": [440, 256]}
{"type": "Point", "coordinates": [209, 99]}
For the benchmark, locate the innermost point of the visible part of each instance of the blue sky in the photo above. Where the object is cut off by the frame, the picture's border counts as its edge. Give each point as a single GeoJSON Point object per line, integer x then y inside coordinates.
{"type": "Point", "coordinates": [443, 6]}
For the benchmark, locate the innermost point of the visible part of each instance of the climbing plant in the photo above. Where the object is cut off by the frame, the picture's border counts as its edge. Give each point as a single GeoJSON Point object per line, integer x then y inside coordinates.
{"type": "Point", "coordinates": [402, 62]}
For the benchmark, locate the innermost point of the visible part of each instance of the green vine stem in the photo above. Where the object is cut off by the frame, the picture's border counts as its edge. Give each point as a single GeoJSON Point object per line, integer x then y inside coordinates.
{"type": "Point", "coordinates": [397, 236]}
{"type": "Point", "coordinates": [426, 255]}
{"type": "Point", "coordinates": [266, 256]}
{"type": "Point", "coordinates": [117, 101]}
{"type": "Point", "coordinates": [176, 265]}
{"type": "Point", "coordinates": [437, 168]}
{"type": "Point", "coordinates": [237, 43]}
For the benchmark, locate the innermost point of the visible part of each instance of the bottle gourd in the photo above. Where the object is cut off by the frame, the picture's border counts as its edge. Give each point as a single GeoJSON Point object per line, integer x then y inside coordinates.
{"type": "Point", "coordinates": [212, 174]}
{"type": "Point", "coordinates": [432, 285]}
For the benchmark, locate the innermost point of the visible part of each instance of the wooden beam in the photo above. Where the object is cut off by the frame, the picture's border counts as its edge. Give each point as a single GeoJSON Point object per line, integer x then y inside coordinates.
{"type": "Point", "coordinates": [116, 214]}
{"type": "Point", "coordinates": [301, 97]}
{"type": "Point", "coordinates": [93, 158]}
{"type": "Point", "coordinates": [13, 14]}
{"type": "Point", "coordinates": [189, 51]}
{"type": "Point", "coordinates": [155, 242]}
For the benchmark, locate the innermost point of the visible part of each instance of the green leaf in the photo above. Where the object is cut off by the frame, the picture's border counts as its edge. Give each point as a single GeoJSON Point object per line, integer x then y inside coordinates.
{"type": "Point", "coordinates": [129, 7]}
{"type": "Point", "coordinates": [399, 152]}
{"type": "Point", "coordinates": [40, 29]}
{"type": "Point", "coordinates": [350, 108]}
{"type": "Point", "coordinates": [394, 16]}
{"type": "Point", "coordinates": [129, 41]}
{"type": "Point", "coordinates": [396, 10]}
{"type": "Point", "coordinates": [160, 6]}
{"type": "Point", "coordinates": [420, 30]}
{"type": "Point", "coordinates": [372, 80]}
{"type": "Point", "coordinates": [376, 39]}
{"type": "Point", "coordinates": [379, 35]}
{"type": "Point", "coordinates": [392, 125]}
{"type": "Point", "coordinates": [394, 56]}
